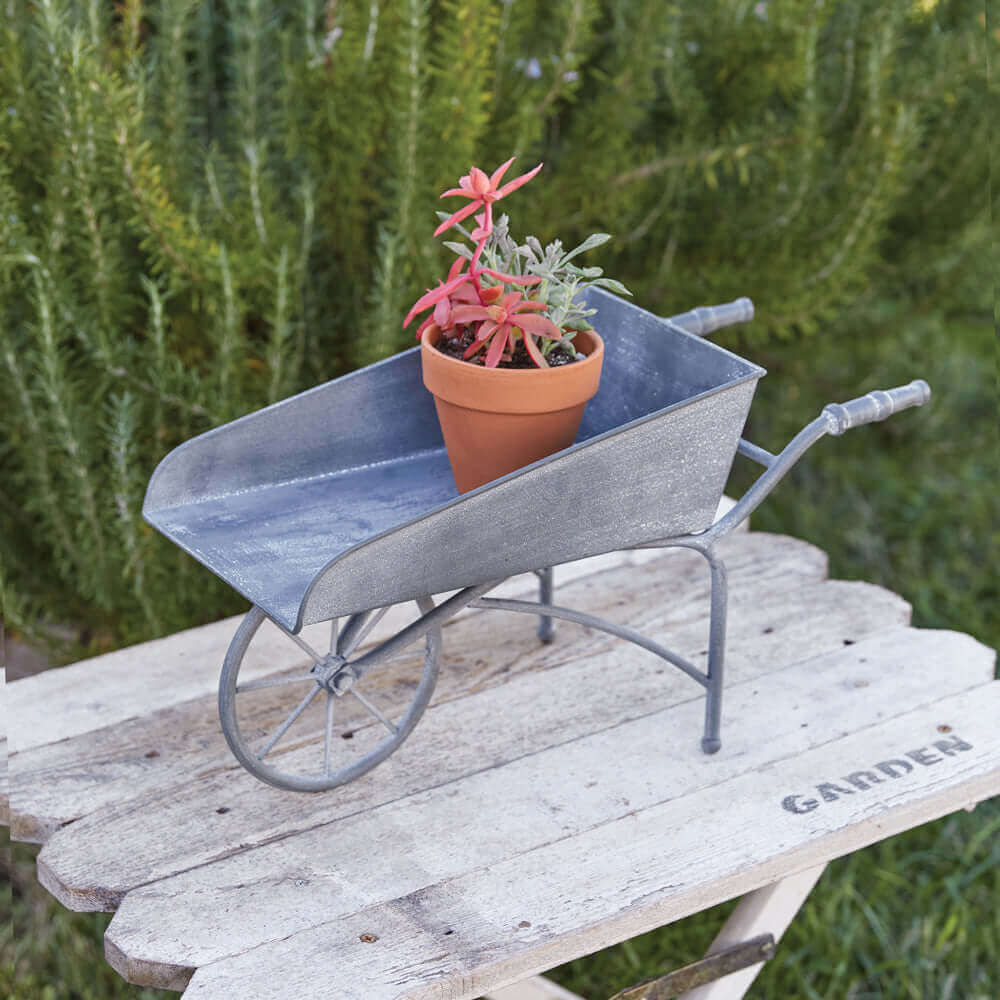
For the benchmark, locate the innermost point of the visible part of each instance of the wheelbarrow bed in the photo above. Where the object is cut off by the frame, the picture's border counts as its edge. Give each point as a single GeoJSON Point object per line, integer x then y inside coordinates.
{"type": "Point", "coordinates": [271, 542]}
{"type": "Point", "coordinates": [341, 498]}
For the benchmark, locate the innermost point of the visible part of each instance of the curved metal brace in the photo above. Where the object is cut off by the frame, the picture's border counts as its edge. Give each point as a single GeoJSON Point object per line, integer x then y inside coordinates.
{"type": "Point", "coordinates": [591, 621]}
{"type": "Point", "coordinates": [776, 470]}
{"type": "Point", "coordinates": [418, 629]}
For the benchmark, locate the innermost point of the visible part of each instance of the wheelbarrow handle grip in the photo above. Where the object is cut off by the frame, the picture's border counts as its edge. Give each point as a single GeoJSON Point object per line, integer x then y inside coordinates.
{"type": "Point", "coordinates": [875, 405]}
{"type": "Point", "coordinates": [706, 319]}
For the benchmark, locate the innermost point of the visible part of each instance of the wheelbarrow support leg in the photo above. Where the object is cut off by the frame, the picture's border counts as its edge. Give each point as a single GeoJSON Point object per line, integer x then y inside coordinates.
{"type": "Point", "coordinates": [546, 630]}
{"type": "Point", "coordinates": [711, 741]}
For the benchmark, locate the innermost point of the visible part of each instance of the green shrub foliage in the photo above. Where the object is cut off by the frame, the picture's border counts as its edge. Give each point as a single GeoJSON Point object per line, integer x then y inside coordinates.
{"type": "Point", "coordinates": [206, 206]}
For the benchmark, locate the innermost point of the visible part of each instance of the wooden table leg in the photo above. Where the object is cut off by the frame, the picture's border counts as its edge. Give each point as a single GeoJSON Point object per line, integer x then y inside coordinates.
{"type": "Point", "coordinates": [766, 911]}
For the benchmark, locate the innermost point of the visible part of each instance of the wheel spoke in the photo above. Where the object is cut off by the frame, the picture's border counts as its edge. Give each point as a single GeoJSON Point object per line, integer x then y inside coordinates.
{"type": "Point", "coordinates": [330, 701]}
{"type": "Point", "coordinates": [388, 723]}
{"type": "Point", "coordinates": [283, 728]}
{"type": "Point", "coordinates": [270, 682]}
{"type": "Point", "coordinates": [334, 622]}
{"type": "Point", "coordinates": [300, 642]}
{"type": "Point", "coordinates": [363, 634]}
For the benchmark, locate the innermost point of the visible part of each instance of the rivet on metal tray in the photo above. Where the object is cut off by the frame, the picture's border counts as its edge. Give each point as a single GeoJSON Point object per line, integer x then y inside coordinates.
{"type": "Point", "coordinates": [222, 809]}
{"type": "Point", "coordinates": [369, 938]}
{"type": "Point", "coordinates": [524, 923]}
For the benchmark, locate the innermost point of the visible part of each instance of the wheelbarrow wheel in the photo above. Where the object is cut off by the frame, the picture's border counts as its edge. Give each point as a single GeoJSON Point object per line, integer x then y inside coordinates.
{"type": "Point", "coordinates": [309, 722]}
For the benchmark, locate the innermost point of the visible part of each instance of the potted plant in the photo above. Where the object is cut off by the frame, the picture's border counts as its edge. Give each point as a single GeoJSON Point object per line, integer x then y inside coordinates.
{"type": "Point", "coordinates": [506, 349]}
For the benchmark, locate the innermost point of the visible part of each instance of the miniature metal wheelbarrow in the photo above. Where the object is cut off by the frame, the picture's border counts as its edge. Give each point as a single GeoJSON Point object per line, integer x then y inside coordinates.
{"type": "Point", "coordinates": [337, 504]}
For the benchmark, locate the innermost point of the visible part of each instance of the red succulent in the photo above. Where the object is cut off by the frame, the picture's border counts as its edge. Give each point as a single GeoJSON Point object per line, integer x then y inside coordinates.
{"type": "Point", "coordinates": [497, 316]}
{"type": "Point", "coordinates": [483, 191]}
{"type": "Point", "coordinates": [500, 322]}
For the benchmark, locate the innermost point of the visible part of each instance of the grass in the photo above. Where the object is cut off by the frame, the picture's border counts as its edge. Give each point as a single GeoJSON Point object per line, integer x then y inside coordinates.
{"type": "Point", "coordinates": [910, 504]}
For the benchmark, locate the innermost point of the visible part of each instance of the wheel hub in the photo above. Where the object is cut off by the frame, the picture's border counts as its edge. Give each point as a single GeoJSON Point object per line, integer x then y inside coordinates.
{"type": "Point", "coordinates": [335, 674]}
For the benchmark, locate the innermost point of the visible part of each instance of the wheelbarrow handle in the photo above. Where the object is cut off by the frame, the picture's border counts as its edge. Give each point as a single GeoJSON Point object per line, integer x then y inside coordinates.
{"type": "Point", "coordinates": [875, 406]}
{"type": "Point", "coordinates": [706, 319]}
{"type": "Point", "coordinates": [835, 419]}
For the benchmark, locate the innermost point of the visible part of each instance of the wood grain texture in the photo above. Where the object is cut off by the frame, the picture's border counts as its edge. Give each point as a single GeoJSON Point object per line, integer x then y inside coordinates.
{"type": "Point", "coordinates": [160, 733]}
{"type": "Point", "coordinates": [566, 684]}
{"type": "Point", "coordinates": [542, 798]}
{"type": "Point", "coordinates": [169, 745]}
{"type": "Point", "coordinates": [627, 876]}
{"type": "Point", "coordinates": [161, 754]}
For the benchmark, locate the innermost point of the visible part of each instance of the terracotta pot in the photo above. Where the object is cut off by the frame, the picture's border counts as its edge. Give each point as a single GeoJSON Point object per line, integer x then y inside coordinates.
{"type": "Point", "coordinates": [496, 420]}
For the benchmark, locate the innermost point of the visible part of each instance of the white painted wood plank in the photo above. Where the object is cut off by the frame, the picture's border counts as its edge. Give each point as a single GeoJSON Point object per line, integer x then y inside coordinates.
{"type": "Point", "coordinates": [135, 681]}
{"type": "Point", "coordinates": [545, 798]}
{"type": "Point", "coordinates": [769, 910]}
{"type": "Point", "coordinates": [535, 988]}
{"type": "Point", "coordinates": [155, 836]}
{"type": "Point", "coordinates": [628, 876]}
{"type": "Point", "coordinates": [183, 744]}
{"type": "Point", "coordinates": [101, 691]}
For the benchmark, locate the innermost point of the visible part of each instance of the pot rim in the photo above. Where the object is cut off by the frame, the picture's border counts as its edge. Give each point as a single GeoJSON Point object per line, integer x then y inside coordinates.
{"type": "Point", "coordinates": [511, 390]}
{"type": "Point", "coordinates": [430, 338]}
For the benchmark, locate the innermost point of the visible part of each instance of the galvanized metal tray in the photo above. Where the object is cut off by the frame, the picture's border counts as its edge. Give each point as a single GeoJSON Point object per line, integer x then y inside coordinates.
{"type": "Point", "coordinates": [341, 498]}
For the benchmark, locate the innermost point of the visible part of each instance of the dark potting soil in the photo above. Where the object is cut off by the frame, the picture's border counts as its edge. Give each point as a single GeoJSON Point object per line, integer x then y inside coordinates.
{"type": "Point", "coordinates": [455, 347]}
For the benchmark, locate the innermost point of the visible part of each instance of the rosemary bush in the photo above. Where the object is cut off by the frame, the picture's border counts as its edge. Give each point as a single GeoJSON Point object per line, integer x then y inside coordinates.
{"type": "Point", "coordinates": [206, 206]}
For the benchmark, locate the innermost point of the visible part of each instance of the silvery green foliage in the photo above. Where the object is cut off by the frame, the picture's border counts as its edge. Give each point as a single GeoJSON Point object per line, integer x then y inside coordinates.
{"type": "Point", "coordinates": [562, 280]}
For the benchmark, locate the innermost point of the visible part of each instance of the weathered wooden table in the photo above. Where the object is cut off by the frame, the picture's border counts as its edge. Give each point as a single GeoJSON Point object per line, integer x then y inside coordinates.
{"type": "Point", "coordinates": [554, 799]}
